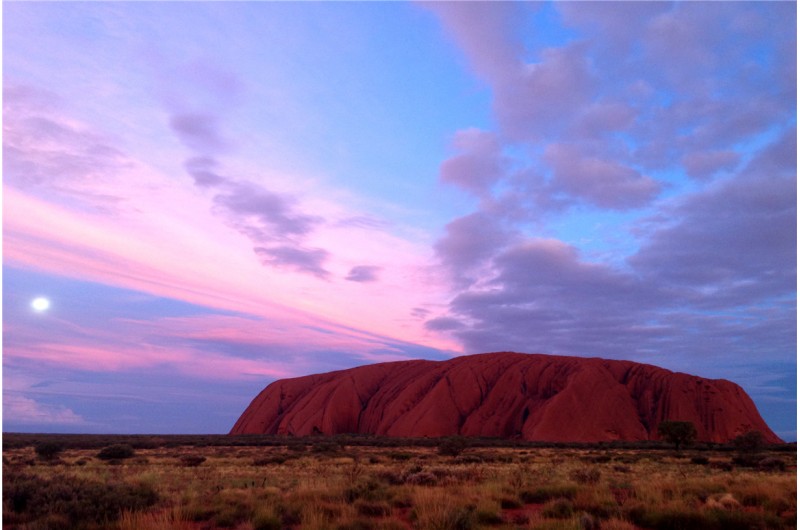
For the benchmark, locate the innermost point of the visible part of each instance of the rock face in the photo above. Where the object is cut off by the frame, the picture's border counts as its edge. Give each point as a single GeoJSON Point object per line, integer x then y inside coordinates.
{"type": "Point", "coordinates": [507, 395]}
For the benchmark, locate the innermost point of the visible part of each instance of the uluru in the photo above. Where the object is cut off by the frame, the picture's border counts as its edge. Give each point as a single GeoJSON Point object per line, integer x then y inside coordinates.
{"type": "Point", "coordinates": [504, 395]}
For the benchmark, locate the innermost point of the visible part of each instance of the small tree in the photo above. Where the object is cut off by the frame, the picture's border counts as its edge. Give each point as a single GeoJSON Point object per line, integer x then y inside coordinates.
{"type": "Point", "coordinates": [749, 442]}
{"type": "Point", "coordinates": [678, 433]}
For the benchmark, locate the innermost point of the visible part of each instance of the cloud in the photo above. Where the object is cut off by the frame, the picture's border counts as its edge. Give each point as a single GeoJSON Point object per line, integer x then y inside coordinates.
{"type": "Point", "coordinates": [703, 164]}
{"type": "Point", "coordinates": [262, 214]}
{"type": "Point", "coordinates": [198, 131]}
{"type": "Point", "coordinates": [203, 170]}
{"type": "Point", "coordinates": [305, 260]}
{"type": "Point", "coordinates": [483, 29]}
{"type": "Point", "coordinates": [363, 273]}
{"type": "Point", "coordinates": [733, 243]}
{"type": "Point", "coordinates": [602, 118]}
{"type": "Point", "coordinates": [715, 272]}
{"type": "Point", "coordinates": [22, 410]}
{"type": "Point", "coordinates": [545, 96]}
{"type": "Point", "coordinates": [604, 183]}
{"type": "Point", "coordinates": [480, 164]}
{"type": "Point", "coordinates": [468, 242]}
{"type": "Point", "coordinates": [46, 150]}
{"type": "Point", "coordinates": [444, 324]}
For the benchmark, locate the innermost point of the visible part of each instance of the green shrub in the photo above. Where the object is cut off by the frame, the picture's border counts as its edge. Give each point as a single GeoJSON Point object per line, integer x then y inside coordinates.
{"type": "Point", "coordinates": [507, 503]}
{"type": "Point", "coordinates": [192, 460]}
{"type": "Point", "coordinates": [266, 522]}
{"type": "Point", "coordinates": [452, 446]}
{"type": "Point", "coordinates": [488, 517]}
{"type": "Point", "coordinates": [116, 452]}
{"type": "Point", "coordinates": [48, 450]}
{"type": "Point", "coordinates": [546, 493]}
{"type": "Point", "coordinates": [372, 509]}
{"type": "Point", "coordinates": [585, 475]}
{"type": "Point", "coordinates": [327, 447]}
{"type": "Point", "coordinates": [771, 463]}
{"type": "Point", "coordinates": [356, 524]}
{"type": "Point", "coordinates": [78, 501]}
{"type": "Point", "coordinates": [367, 489]}
{"type": "Point", "coordinates": [749, 442]}
{"type": "Point", "coordinates": [558, 509]}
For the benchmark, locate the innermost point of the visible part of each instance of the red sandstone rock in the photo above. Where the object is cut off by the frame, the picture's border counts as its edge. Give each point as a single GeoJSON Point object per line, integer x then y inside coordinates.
{"type": "Point", "coordinates": [507, 395]}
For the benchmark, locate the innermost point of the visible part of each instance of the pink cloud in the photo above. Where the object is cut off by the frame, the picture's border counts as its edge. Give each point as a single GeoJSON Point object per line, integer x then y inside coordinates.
{"type": "Point", "coordinates": [605, 183]}
{"type": "Point", "coordinates": [480, 163]}
{"type": "Point", "coordinates": [545, 95]}
{"type": "Point", "coordinates": [703, 164]}
{"type": "Point", "coordinates": [23, 410]}
{"type": "Point", "coordinates": [483, 29]}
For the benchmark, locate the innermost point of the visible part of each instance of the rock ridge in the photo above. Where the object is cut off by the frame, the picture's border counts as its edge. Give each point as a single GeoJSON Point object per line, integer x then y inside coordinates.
{"type": "Point", "coordinates": [507, 395]}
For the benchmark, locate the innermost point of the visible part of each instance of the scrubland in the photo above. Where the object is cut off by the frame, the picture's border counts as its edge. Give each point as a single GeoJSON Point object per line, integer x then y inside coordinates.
{"type": "Point", "coordinates": [327, 484]}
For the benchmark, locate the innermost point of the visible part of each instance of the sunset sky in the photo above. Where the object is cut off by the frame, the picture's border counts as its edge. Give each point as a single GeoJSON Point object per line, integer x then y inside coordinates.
{"type": "Point", "coordinates": [215, 195]}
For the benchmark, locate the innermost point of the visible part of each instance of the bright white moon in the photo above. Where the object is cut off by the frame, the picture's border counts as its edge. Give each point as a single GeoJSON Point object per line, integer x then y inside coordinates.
{"type": "Point", "coordinates": [40, 304]}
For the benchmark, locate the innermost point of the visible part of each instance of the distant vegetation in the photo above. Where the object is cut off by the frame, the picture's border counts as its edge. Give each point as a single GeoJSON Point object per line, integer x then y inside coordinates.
{"type": "Point", "coordinates": [362, 483]}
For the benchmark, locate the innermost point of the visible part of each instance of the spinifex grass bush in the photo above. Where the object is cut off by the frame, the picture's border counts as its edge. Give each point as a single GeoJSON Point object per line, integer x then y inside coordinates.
{"type": "Point", "coordinates": [62, 501]}
{"type": "Point", "coordinates": [362, 487]}
{"type": "Point", "coordinates": [116, 452]}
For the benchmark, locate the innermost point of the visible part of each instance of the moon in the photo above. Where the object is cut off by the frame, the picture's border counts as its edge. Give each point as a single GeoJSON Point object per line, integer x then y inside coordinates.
{"type": "Point", "coordinates": [40, 304]}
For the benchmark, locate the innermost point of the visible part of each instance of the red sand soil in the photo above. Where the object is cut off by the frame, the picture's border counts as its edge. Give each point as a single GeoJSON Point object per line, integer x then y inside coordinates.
{"type": "Point", "coordinates": [507, 395]}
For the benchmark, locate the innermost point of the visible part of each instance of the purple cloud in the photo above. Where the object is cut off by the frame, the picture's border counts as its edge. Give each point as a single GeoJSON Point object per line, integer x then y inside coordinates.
{"type": "Point", "coordinates": [483, 29]}
{"type": "Point", "coordinates": [363, 273]}
{"type": "Point", "coordinates": [198, 131]}
{"type": "Point", "coordinates": [703, 164]}
{"type": "Point", "coordinates": [468, 241]}
{"type": "Point", "coordinates": [716, 272]}
{"type": "Point", "coordinates": [304, 260]}
{"type": "Point", "coordinates": [203, 171]}
{"type": "Point", "coordinates": [262, 214]}
{"type": "Point", "coordinates": [444, 324]}
{"type": "Point", "coordinates": [480, 164]}
{"type": "Point", "coordinates": [544, 96]}
{"type": "Point", "coordinates": [605, 183]}
{"type": "Point", "coordinates": [734, 243]}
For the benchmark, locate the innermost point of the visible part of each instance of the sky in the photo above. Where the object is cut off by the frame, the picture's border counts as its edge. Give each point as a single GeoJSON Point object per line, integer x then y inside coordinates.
{"type": "Point", "coordinates": [213, 196]}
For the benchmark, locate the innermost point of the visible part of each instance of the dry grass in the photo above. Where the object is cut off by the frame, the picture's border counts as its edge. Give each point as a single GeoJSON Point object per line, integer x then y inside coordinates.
{"type": "Point", "coordinates": [361, 488]}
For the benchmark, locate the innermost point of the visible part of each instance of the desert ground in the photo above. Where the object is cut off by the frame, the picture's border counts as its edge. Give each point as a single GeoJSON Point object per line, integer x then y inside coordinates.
{"type": "Point", "coordinates": [360, 483]}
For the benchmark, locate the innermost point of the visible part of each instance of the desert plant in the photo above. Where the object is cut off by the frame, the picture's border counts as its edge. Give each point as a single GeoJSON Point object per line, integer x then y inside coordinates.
{"type": "Point", "coordinates": [116, 452]}
{"type": "Point", "coordinates": [76, 501]}
{"type": "Point", "coordinates": [558, 509]}
{"type": "Point", "coordinates": [678, 433]}
{"type": "Point", "coordinates": [48, 450]}
{"type": "Point", "coordinates": [452, 446]}
{"type": "Point", "coordinates": [585, 475]}
{"type": "Point", "coordinates": [192, 460]}
{"type": "Point", "coordinates": [545, 493]}
{"type": "Point", "coordinates": [749, 442]}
